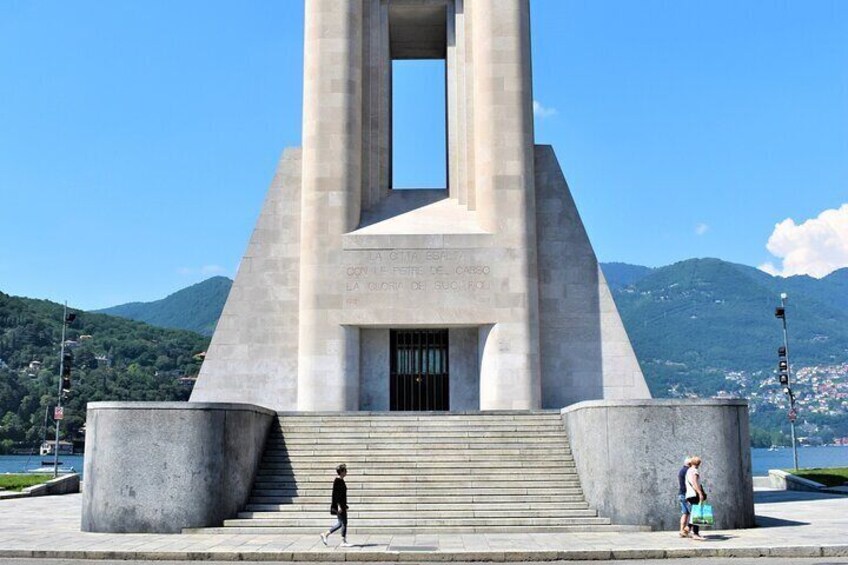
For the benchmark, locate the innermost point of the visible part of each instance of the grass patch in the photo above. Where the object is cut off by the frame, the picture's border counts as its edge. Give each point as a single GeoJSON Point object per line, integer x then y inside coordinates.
{"type": "Point", "coordinates": [832, 477]}
{"type": "Point", "coordinates": [20, 482]}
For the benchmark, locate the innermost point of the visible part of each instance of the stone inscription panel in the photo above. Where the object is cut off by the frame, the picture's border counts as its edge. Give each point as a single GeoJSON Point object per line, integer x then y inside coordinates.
{"type": "Point", "coordinates": [416, 278]}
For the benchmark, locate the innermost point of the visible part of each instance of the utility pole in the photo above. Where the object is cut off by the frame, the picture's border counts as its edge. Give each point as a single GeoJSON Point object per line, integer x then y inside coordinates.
{"type": "Point", "coordinates": [64, 377]}
{"type": "Point", "coordinates": [785, 374]}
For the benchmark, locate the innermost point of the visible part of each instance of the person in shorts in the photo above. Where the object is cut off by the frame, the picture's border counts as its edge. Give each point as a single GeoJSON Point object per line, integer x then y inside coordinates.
{"type": "Point", "coordinates": [685, 508]}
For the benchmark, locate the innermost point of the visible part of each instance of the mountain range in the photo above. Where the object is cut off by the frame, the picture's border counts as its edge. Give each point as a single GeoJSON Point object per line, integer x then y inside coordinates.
{"type": "Point", "coordinates": [700, 327]}
{"type": "Point", "coordinates": [195, 308]}
{"type": "Point", "coordinates": [689, 322]}
{"type": "Point", "coordinates": [692, 322]}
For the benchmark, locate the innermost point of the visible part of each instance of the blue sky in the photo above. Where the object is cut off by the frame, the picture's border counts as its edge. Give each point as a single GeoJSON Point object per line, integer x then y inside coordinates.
{"type": "Point", "coordinates": [137, 139]}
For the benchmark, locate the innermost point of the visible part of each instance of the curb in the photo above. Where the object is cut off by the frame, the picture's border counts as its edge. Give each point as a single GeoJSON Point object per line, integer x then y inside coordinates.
{"type": "Point", "coordinates": [65, 484]}
{"type": "Point", "coordinates": [790, 551]}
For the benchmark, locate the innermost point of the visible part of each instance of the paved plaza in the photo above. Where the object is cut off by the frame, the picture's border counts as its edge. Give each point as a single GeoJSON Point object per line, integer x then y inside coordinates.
{"type": "Point", "coordinates": [791, 525]}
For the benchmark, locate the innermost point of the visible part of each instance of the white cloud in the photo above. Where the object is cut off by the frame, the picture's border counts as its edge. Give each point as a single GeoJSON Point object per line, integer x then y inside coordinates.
{"type": "Point", "coordinates": [701, 229]}
{"type": "Point", "coordinates": [816, 247]}
{"type": "Point", "coordinates": [541, 111]}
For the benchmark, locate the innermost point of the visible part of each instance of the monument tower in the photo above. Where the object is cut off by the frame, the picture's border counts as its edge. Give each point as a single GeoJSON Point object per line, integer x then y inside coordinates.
{"type": "Point", "coordinates": [483, 295]}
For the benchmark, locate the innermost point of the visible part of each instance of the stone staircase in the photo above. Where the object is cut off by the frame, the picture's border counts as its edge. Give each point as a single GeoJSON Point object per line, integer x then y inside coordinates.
{"type": "Point", "coordinates": [419, 472]}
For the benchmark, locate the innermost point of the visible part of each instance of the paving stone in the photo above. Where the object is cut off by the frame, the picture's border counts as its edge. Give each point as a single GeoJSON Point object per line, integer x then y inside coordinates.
{"type": "Point", "coordinates": [802, 525]}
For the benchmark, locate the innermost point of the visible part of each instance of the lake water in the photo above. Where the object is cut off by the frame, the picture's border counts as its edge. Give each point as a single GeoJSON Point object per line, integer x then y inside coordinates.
{"type": "Point", "coordinates": [19, 463]}
{"type": "Point", "coordinates": [761, 459]}
{"type": "Point", "coordinates": [824, 456]}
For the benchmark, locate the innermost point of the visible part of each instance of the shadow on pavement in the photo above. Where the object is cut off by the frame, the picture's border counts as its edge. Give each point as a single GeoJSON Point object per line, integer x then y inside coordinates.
{"type": "Point", "coordinates": [769, 522]}
{"type": "Point", "coordinates": [717, 537]}
{"type": "Point", "coordinates": [369, 545]}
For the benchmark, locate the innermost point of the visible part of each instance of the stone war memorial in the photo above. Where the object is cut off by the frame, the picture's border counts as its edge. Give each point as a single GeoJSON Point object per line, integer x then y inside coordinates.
{"type": "Point", "coordinates": [417, 335]}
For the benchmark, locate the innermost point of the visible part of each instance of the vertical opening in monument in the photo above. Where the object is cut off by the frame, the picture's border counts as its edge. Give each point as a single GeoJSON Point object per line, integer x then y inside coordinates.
{"type": "Point", "coordinates": [419, 130]}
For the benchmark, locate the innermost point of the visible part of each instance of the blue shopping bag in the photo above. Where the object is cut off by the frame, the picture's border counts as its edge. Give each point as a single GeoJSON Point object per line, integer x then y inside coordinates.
{"type": "Point", "coordinates": [702, 515]}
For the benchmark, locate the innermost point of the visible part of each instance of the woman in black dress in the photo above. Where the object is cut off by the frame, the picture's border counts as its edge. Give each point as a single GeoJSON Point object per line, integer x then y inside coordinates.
{"type": "Point", "coordinates": [338, 507]}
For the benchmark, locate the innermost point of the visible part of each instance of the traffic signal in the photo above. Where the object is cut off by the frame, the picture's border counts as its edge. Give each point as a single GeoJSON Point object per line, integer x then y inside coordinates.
{"type": "Point", "coordinates": [782, 366]}
{"type": "Point", "coordinates": [67, 365]}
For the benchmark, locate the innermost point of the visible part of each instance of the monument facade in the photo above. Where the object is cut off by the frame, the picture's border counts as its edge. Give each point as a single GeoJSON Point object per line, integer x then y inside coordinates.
{"type": "Point", "coordinates": [354, 295]}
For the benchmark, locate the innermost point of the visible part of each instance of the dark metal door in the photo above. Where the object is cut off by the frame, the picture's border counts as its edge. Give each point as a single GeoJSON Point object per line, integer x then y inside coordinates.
{"type": "Point", "coordinates": [418, 377]}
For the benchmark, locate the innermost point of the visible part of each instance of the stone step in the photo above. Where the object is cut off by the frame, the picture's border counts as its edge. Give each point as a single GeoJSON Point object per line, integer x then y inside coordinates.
{"type": "Point", "coordinates": [418, 481]}
{"type": "Point", "coordinates": [412, 437]}
{"type": "Point", "coordinates": [414, 429]}
{"type": "Point", "coordinates": [516, 453]}
{"type": "Point", "coordinates": [446, 513]}
{"type": "Point", "coordinates": [374, 488]}
{"type": "Point", "coordinates": [422, 430]}
{"type": "Point", "coordinates": [418, 430]}
{"type": "Point", "coordinates": [494, 415]}
{"type": "Point", "coordinates": [399, 522]}
{"type": "Point", "coordinates": [479, 458]}
{"type": "Point", "coordinates": [342, 425]}
{"type": "Point", "coordinates": [422, 498]}
{"type": "Point", "coordinates": [323, 505]}
{"type": "Point", "coordinates": [397, 466]}
{"type": "Point", "coordinates": [356, 480]}
{"type": "Point", "coordinates": [358, 476]}
{"type": "Point", "coordinates": [431, 468]}
{"type": "Point", "coordinates": [515, 450]}
{"type": "Point", "coordinates": [419, 489]}
{"type": "Point", "coordinates": [418, 443]}
{"type": "Point", "coordinates": [355, 530]}
{"type": "Point", "coordinates": [419, 472]}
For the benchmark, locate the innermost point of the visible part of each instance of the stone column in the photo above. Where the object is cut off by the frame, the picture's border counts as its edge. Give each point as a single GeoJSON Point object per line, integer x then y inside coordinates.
{"type": "Point", "coordinates": [505, 198]}
{"type": "Point", "coordinates": [328, 358]}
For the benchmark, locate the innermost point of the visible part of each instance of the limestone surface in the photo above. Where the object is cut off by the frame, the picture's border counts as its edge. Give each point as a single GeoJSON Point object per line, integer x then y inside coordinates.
{"type": "Point", "coordinates": [499, 258]}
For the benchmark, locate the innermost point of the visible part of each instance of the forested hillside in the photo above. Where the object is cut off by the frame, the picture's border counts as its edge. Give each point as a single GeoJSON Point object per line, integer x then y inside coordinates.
{"type": "Point", "coordinates": [114, 359]}
{"type": "Point", "coordinates": [706, 327]}
{"type": "Point", "coordinates": [702, 317]}
{"type": "Point", "coordinates": [195, 308]}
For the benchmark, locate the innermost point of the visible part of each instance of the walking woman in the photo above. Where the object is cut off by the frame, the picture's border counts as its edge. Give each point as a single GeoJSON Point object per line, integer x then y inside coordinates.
{"type": "Point", "coordinates": [338, 507]}
{"type": "Point", "coordinates": [694, 492]}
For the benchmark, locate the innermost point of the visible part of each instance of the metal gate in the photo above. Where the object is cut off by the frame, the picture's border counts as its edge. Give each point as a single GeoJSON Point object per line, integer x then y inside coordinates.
{"type": "Point", "coordinates": [418, 377]}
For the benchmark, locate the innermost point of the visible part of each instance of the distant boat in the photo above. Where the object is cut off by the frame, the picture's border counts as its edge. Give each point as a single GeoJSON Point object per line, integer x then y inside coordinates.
{"type": "Point", "coordinates": [48, 470]}
{"type": "Point", "coordinates": [773, 447]}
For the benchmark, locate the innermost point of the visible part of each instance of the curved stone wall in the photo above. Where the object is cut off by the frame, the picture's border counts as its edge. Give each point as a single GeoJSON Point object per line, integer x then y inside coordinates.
{"type": "Point", "coordinates": [165, 466]}
{"type": "Point", "coordinates": [628, 453]}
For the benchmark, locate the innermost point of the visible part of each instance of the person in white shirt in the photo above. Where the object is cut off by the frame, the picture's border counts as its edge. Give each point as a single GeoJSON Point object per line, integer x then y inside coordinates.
{"type": "Point", "coordinates": [694, 492]}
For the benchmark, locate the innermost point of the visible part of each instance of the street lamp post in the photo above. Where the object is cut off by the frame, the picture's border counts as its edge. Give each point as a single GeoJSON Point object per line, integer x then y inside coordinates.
{"type": "Point", "coordinates": [64, 373]}
{"type": "Point", "coordinates": [785, 375]}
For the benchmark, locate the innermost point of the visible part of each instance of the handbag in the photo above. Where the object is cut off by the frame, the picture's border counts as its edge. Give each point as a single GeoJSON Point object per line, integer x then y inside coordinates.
{"type": "Point", "coordinates": [702, 515]}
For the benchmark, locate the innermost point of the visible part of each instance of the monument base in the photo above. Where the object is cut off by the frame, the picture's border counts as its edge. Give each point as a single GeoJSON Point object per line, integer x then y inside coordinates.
{"type": "Point", "coordinates": [168, 466]}
{"type": "Point", "coordinates": [159, 467]}
{"type": "Point", "coordinates": [629, 452]}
